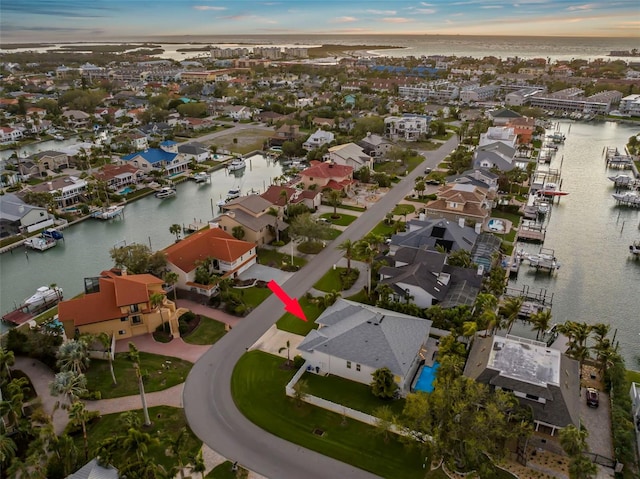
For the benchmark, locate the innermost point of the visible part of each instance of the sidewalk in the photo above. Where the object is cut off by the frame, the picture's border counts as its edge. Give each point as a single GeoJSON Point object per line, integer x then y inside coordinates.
{"type": "Point", "coordinates": [204, 310]}
{"type": "Point", "coordinates": [177, 348]}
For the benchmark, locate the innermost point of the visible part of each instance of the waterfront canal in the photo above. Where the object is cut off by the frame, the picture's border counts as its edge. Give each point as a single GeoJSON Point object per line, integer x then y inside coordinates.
{"type": "Point", "coordinates": [597, 282]}
{"type": "Point", "coordinates": [85, 250]}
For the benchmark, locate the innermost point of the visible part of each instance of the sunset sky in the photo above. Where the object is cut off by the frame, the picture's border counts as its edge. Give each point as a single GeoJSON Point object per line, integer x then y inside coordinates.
{"type": "Point", "coordinates": [82, 20]}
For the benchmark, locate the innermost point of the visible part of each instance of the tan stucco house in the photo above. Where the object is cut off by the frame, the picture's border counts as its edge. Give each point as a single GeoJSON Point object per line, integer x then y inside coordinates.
{"type": "Point", "coordinates": [120, 305]}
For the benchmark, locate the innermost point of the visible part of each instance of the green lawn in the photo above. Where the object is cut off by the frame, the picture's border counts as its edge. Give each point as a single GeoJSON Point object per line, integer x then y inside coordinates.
{"type": "Point", "coordinates": [514, 218]}
{"type": "Point", "coordinates": [333, 234]}
{"type": "Point", "coordinates": [223, 471]}
{"type": "Point", "coordinates": [349, 393]}
{"type": "Point", "coordinates": [271, 257]}
{"type": "Point", "coordinates": [342, 220]}
{"type": "Point", "coordinates": [331, 280]}
{"type": "Point", "coordinates": [347, 207]}
{"type": "Point", "coordinates": [403, 209]}
{"type": "Point", "coordinates": [209, 331]}
{"type": "Point", "coordinates": [165, 420]}
{"type": "Point", "coordinates": [360, 297]}
{"type": "Point", "coordinates": [383, 229]}
{"type": "Point", "coordinates": [293, 324]}
{"type": "Point", "coordinates": [258, 374]}
{"type": "Point", "coordinates": [159, 378]}
{"type": "Point", "coordinates": [253, 296]}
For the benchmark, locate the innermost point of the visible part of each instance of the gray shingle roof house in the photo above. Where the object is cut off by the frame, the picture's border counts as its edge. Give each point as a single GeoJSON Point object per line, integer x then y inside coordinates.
{"type": "Point", "coordinates": [494, 155]}
{"type": "Point", "coordinates": [93, 470]}
{"type": "Point", "coordinates": [431, 233]}
{"type": "Point", "coordinates": [355, 339]}
{"type": "Point", "coordinates": [428, 279]}
{"type": "Point", "coordinates": [16, 215]}
{"type": "Point", "coordinates": [480, 177]}
{"type": "Point", "coordinates": [542, 378]}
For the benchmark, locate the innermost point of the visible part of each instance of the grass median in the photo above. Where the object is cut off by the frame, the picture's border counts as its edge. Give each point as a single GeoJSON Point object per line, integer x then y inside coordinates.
{"type": "Point", "coordinates": [259, 374]}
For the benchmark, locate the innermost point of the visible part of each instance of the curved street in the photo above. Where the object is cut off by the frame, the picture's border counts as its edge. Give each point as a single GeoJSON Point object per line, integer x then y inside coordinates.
{"type": "Point", "coordinates": [208, 404]}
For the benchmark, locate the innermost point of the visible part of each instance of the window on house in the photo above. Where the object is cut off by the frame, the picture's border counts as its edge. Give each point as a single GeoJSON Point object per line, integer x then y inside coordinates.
{"type": "Point", "coordinates": [137, 319]}
{"type": "Point", "coordinates": [122, 331]}
{"type": "Point", "coordinates": [134, 308]}
{"type": "Point", "coordinates": [531, 396]}
{"type": "Point", "coordinates": [357, 367]}
{"type": "Point", "coordinates": [124, 318]}
{"type": "Point", "coordinates": [348, 364]}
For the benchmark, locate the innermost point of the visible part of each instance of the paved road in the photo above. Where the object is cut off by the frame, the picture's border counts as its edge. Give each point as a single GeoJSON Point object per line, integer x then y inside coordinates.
{"type": "Point", "coordinates": [209, 407]}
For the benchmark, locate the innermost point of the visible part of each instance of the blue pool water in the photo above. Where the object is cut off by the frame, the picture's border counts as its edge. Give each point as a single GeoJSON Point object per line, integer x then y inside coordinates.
{"type": "Point", "coordinates": [126, 191]}
{"type": "Point", "coordinates": [427, 377]}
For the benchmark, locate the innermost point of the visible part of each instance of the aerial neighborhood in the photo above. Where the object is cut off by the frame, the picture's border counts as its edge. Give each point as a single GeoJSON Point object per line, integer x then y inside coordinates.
{"type": "Point", "coordinates": [403, 189]}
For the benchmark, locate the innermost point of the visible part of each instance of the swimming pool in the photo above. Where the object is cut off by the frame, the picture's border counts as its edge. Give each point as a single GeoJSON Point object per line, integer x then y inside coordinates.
{"type": "Point", "coordinates": [126, 191]}
{"type": "Point", "coordinates": [496, 225]}
{"type": "Point", "coordinates": [426, 378]}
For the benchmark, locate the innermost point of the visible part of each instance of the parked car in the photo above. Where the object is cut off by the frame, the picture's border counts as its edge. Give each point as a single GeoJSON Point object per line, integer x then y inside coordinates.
{"type": "Point", "coordinates": [593, 399]}
{"type": "Point", "coordinates": [427, 171]}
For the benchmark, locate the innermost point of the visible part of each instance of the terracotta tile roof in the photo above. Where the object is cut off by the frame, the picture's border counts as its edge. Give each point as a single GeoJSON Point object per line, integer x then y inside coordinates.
{"type": "Point", "coordinates": [273, 194]}
{"type": "Point", "coordinates": [115, 291]}
{"type": "Point", "coordinates": [108, 172]}
{"type": "Point", "coordinates": [328, 170]}
{"type": "Point", "coordinates": [212, 243]}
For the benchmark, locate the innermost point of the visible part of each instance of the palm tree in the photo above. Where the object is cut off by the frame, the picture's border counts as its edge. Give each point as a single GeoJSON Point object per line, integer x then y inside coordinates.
{"type": "Point", "coordinates": [420, 187]}
{"type": "Point", "coordinates": [70, 384]}
{"type": "Point", "coordinates": [334, 198]}
{"type": "Point", "coordinates": [138, 443]}
{"type": "Point", "coordinates": [469, 329]}
{"type": "Point", "coordinates": [600, 331]}
{"type": "Point", "coordinates": [238, 232]}
{"type": "Point", "coordinates": [156, 300]}
{"type": "Point", "coordinates": [385, 292]}
{"type": "Point", "coordinates": [331, 298]}
{"type": "Point", "coordinates": [7, 359]}
{"type": "Point", "coordinates": [177, 447]}
{"type": "Point", "coordinates": [73, 356]}
{"type": "Point", "coordinates": [286, 347]}
{"type": "Point", "coordinates": [172, 278]}
{"type": "Point", "coordinates": [78, 414]}
{"type": "Point", "coordinates": [134, 355]}
{"type": "Point", "coordinates": [511, 310]}
{"type": "Point", "coordinates": [175, 229]}
{"type": "Point", "coordinates": [8, 450]}
{"type": "Point", "coordinates": [106, 341]}
{"type": "Point", "coordinates": [541, 321]}
{"type": "Point", "coordinates": [573, 440]}
{"type": "Point", "coordinates": [367, 251]}
{"type": "Point", "coordinates": [199, 465]}
{"type": "Point", "coordinates": [348, 247]}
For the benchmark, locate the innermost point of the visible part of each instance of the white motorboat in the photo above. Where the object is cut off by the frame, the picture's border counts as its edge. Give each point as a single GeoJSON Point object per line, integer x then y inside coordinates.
{"type": "Point", "coordinates": [201, 177]}
{"type": "Point", "coordinates": [630, 198]}
{"type": "Point", "coordinates": [543, 208]}
{"type": "Point", "coordinates": [233, 193]}
{"type": "Point", "coordinates": [165, 192]}
{"type": "Point", "coordinates": [44, 295]}
{"type": "Point", "coordinates": [622, 180]}
{"type": "Point", "coordinates": [41, 243]}
{"type": "Point", "coordinates": [58, 137]}
{"type": "Point", "coordinates": [109, 212]}
{"type": "Point", "coordinates": [236, 164]}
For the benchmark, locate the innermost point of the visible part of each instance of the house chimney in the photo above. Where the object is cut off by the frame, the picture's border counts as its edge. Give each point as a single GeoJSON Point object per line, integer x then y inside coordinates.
{"type": "Point", "coordinates": [50, 185]}
{"type": "Point", "coordinates": [478, 228]}
{"type": "Point", "coordinates": [461, 222]}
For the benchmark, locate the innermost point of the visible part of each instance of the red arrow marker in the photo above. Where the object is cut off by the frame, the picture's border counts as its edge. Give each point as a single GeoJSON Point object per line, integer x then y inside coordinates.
{"type": "Point", "coordinates": [290, 305]}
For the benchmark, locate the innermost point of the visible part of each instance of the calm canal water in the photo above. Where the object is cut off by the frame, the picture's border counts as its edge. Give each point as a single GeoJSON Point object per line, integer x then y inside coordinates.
{"type": "Point", "coordinates": [85, 250]}
{"type": "Point", "coordinates": [598, 280]}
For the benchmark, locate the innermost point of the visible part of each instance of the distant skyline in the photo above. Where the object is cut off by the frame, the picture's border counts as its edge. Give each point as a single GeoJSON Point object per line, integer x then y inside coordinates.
{"type": "Point", "coordinates": [122, 20]}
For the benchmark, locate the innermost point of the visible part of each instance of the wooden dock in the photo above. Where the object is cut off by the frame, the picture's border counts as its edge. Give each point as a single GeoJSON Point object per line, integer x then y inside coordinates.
{"type": "Point", "coordinates": [531, 231]}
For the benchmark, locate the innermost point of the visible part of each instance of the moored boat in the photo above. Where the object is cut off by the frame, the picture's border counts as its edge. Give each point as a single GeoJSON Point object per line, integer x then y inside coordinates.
{"type": "Point", "coordinates": [166, 192]}
{"type": "Point", "coordinates": [44, 295]}
{"type": "Point", "coordinates": [233, 193]}
{"type": "Point", "coordinates": [108, 212]}
{"type": "Point", "coordinates": [201, 177]}
{"type": "Point", "coordinates": [634, 248]}
{"type": "Point", "coordinates": [630, 198]}
{"type": "Point", "coordinates": [236, 164]}
{"type": "Point", "coordinates": [41, 243]}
